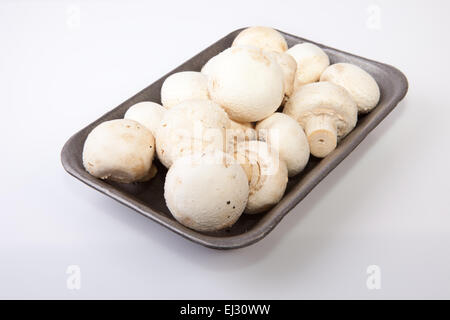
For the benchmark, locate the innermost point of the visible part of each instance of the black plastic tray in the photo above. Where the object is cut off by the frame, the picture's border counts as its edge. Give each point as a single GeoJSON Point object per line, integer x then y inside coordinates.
{"type": "Point", "coordinates": [147, 198]}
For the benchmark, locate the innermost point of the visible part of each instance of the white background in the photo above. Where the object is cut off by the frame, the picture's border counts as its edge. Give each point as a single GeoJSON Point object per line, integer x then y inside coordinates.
{"type": "Point", "coordinates": [63, 64]}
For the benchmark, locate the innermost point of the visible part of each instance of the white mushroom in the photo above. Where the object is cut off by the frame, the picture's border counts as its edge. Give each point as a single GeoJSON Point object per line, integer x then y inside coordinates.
{"type": "Point", "coordinates": [119, 150]}
{"type": "Point", "coordinates": [262, 37]}
{"type": "Point", "coordinates": [311, 62]}
{"type": "Point", "coordinates": [205, 192]}
{"type": "Point", "coordinates": [289, 68]}
{"type": "Point", "coordinates": [271, 41]}
{"type": "Point", "coordinates": [285, 135]}
{"type": "Point", "coordinates": [287, 64]}
{"type": "Point", "coordinates": [182, 86]}
{"type": "Point", "coordinates": [361, 85]}
{"type": "Point", "coordinates": [266, 173]}
{"type": "Point", "coordinates": [247, 83]}
{"type": "Point", "coordinates": [191, 126]}
{"type": "Point", "coordinates": [147, 113]}
{"type": "Point", "coordinates": [326, 112]}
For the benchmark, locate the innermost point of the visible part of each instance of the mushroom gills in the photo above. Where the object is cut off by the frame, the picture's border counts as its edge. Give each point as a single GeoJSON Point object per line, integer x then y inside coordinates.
{"type": "Point", "coordinates": [267, 175]}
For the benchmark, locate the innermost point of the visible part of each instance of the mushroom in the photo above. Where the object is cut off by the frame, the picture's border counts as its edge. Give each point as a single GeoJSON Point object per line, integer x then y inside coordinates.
{"type": "Point", "coordinates": [181, 86]}
{"type": "Point", "coordinates": [311, 62]}
{"type": "Point", "coordinates": [289, 67]}
{"type": "Point", "coordinates": [206, 192]}
{"type": "Point", "coordinates": [326, 112]}
{"type": "Point", "coordinates": [262, 37]}
{"type": "Point", "coordinates": [147, 113]}
{"type": "Point", "coordinates": [286, 62]}
{"type": "Point", "coordinates": [191, 126]}
{"type": "Point", "coordinates": [119, 150]}
{"type": "Point", "coordinates": [266, 173]}
{"type": "Point", "coordinates": [272, 41]}
{"type": "Point", "coordinates": [247, 83]}
{"type": "Point", "coordinates": [285, 135]}
{"type": "Point", "coordinates": [361, 85]}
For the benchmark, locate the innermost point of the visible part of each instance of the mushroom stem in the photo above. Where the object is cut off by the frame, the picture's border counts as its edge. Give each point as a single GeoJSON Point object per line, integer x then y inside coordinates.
{"type": "Point", "coordinates": [322, 135]}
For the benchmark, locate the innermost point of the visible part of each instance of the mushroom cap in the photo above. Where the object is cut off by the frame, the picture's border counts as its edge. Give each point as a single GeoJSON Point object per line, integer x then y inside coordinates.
{"type": "Point", "coordinates": [360, 84]}
{"type": "Point", "coordinates": [247, 83]}
{"type": "Point", "coordinates": [323, 98]}
{"type": "Point", "coordinates": [262, 37]}
{"type": "Point", "coordinates": [267, 175]}
{"type": "Point", "coordinates": [191, 126]}
{"type": "Point", "coordinates": [181, 86]}
{"type": "Point", "coordinates": [119, 150]}
{"type": "Point", "coordinates": [311, 62]}
{"type": "Point", "coordinates": [289, 68]}
{"type": "Point", "coordinates": [285, 135]}
{"type": "Point", "coordinates": [207, 67]}
{"type": "Point", "coordinates": [147, 113]}
{"type": "Point", "coordinates": [206, 193]}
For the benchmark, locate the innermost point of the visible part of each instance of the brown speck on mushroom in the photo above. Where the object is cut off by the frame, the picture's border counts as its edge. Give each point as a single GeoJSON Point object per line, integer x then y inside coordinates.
{"type": "Point", "coordinates": [214, 83]}
{"type": "Point", "coordinates": [228, 202]}
{"type": "Point", "coordinates": [260, 56]}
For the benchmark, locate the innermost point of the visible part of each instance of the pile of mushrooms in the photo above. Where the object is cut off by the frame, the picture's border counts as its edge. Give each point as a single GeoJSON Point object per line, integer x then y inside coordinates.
{"type": "Point", "coordinates": [228, 146]}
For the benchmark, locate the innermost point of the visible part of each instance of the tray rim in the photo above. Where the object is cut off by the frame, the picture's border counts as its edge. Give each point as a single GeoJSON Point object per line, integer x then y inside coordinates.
{"type": "Point", "coordinates": [289, 201]}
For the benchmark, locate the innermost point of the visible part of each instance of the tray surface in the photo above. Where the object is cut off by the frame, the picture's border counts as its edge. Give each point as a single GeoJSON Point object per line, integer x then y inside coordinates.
{"type": "Point", "coordinates": [147, 198]}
